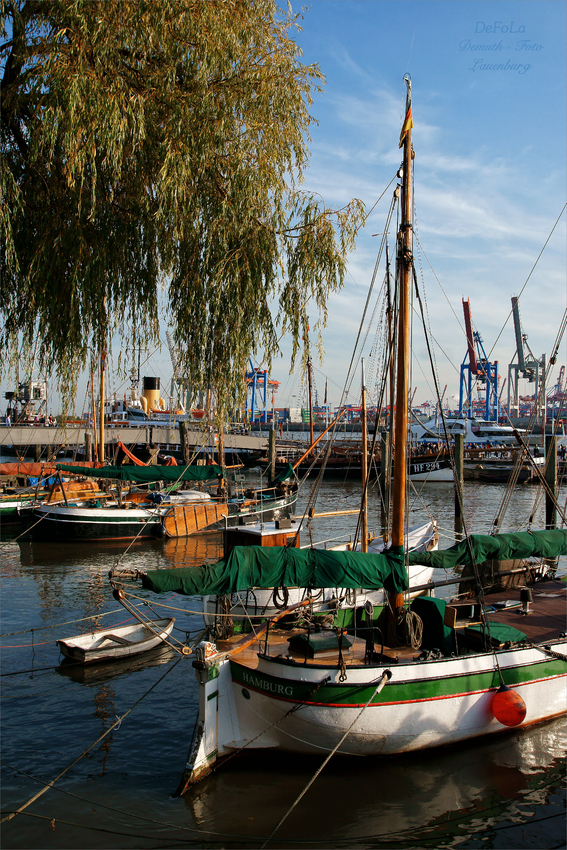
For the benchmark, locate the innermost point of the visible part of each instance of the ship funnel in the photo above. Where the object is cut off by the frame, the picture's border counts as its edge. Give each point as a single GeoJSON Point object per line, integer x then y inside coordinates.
{"type": "Point", "coordinates": [151, 393]}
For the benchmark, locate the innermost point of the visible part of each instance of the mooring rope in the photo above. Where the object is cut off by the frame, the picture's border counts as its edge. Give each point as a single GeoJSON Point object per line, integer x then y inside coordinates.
{"type": "Point", "coordinates": [384, 678]}
{"type": "Point", "coordinates": [148, 624]}
{"type": "Point", "coordinates": [84, 753]}
{"type": "Point", "coordinates": [548, 651]}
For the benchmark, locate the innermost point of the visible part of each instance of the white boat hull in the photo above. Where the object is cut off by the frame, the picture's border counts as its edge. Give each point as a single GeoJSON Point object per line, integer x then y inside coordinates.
{"type": "Point", "coordinates": [392, 725]}
{"type": "Point", "coordinates": [434, 475]}
{"type": "Point", "coordinates": [424, 705]}
{"type": "Point", "coordinates": [473, 430]}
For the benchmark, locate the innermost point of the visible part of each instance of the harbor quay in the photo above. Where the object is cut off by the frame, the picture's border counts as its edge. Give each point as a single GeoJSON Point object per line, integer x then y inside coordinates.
{"type": "Point", "coordinates": [25, 437]}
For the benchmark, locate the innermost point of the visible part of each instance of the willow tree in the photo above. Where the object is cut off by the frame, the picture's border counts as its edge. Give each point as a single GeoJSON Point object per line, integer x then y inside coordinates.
{"type": "Point", "coordinates": [152, 157]}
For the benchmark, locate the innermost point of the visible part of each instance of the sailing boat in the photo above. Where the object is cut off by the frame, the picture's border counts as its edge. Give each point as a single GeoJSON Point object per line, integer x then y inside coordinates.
{"type": "Point", "coordinates": [250, 608]}
{"type": "Point", "coordinates": [410, 678]}
{"type": "Point", "coordinates": [171, 512]}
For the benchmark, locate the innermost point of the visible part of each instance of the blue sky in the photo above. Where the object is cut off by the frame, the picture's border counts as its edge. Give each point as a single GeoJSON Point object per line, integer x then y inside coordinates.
{"type": "Point", "coordinates": [490, 177]}
{"type": "Point", "coordinates": [490, 150]}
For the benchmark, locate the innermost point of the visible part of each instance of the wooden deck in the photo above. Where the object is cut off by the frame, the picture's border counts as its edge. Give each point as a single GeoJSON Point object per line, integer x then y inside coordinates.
{"type": "Point", "coordinates": [278, 645]}
{"type": "Point", "coordinates": [548, 611]}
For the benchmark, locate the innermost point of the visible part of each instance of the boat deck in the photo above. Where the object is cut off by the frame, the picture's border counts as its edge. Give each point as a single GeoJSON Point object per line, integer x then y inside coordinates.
{"type": "Point", "coordinates": [278, 645]}
{"type": "Point", "coordinates": [548, 610]}
{"type": "Point", "coordinates": [546, 620]}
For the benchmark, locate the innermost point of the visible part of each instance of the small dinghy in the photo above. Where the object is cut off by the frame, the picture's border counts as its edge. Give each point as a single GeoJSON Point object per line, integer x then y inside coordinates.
{"type": "Point", "coordinates": [120, 642]}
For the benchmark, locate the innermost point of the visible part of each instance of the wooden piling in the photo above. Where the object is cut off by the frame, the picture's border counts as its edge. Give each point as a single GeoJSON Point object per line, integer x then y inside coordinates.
{"type": "Point", "coordinates": [185, 453]}
{"type": "Point", "coordinates": [459, 477]}
{"type": "Point", "coordinates": [550, 476]}
{"type": "Point", "coordinates": [272, 453]}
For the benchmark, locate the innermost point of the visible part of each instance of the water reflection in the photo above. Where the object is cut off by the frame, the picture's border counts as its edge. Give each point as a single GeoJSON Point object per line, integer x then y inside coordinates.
{"type": "Point", "coordinates": [51, 714]}
{"type": "Point", "coordinates": [94, 674]}
{"type": "Point", "coordinates": [414, 801]}
{"type": "Point", "coordinates": [191, 551]}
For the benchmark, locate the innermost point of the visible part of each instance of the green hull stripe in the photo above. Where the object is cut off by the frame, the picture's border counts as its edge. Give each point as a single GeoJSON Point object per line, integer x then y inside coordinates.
{"type": "Point", "coordinates": [347, 696]}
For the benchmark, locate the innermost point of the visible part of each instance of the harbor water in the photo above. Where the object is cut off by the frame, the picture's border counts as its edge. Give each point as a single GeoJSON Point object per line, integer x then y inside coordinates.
{"type": "Point", "coordinates": [114, 738]}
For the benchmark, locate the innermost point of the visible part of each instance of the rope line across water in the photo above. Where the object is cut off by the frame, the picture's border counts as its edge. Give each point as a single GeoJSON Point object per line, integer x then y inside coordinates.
{"type": "Point", "coordinates": [84, 753]}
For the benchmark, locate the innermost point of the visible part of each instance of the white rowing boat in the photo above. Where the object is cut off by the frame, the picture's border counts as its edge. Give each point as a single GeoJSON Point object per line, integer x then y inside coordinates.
{"type": "Point", "coordinates": [115, 643]}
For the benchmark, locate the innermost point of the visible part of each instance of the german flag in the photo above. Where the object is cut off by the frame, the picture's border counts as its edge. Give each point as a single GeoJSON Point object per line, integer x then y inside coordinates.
{"type": "Point", "coordinates": [408, 124]}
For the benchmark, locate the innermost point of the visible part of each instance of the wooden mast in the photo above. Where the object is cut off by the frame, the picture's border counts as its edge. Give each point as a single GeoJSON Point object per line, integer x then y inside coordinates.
{"type": "Point", "coordinates": [402, 378]}
{"type": "Point", "coordinates": [95, 429]}
{"type": "Point", "coordinates": [101, 412]}
{"type": "Point", "coordinates": [364, 450]}
{"type": "Point", "coordinates": [310, 401]}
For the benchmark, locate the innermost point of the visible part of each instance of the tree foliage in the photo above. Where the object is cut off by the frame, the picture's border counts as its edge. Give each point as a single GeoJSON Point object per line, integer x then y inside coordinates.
{"type": "Point", "coordinates": [152, 156]}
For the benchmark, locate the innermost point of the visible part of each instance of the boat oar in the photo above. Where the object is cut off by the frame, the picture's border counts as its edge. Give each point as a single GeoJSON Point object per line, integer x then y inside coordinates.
{"type": "Point", "coordinates": [384, 678]}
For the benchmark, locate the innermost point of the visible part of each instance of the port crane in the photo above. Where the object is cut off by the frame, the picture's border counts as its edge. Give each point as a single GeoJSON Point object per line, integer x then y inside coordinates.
{"type": "Point", "coordinates": [257, 386]}
{"type": "Point", "coordinates": [524, 365]}
{"type": "Point", "coordinates": [557, 396]}
{"type": "Point", "coordinates": [477, 365]}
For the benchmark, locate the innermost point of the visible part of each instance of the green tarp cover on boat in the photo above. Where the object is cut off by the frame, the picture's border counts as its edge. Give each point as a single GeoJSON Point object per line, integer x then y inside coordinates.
{"type": "Point", "coordinates": [279, 566]}
{"type": "Point", "coordinates": [550, 543]}
{"type": "Point", "coordinates": [147, 474]}
{"type": "Point", "coordinates": [286, 473]}
{"type": "Point", "coordinates": [499, 632]}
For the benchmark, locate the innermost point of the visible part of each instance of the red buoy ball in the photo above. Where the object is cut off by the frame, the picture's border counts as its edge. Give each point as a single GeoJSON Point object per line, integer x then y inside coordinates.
{"type": "Point", "coordinates": [508, 707]}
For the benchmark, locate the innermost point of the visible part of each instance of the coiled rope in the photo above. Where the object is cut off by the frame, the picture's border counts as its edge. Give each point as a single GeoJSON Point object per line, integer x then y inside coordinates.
{"type": "Point", "coordinates": [405, 629]}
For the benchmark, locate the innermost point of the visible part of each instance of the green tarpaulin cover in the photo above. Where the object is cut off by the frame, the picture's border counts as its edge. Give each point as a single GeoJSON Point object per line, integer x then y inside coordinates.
{"type": "Point", "coordinates": [499, 632]}
{"type": "Point", "coordinates": [278, 566]}
{"type": "Point", "coordinates": [256, 566]}
{"type": "Point", "coordinates": [502, 547]}
{"type": "Point", "coordinates": [147, 474]}
{"type": "Point", "coordinates": [285, 474]}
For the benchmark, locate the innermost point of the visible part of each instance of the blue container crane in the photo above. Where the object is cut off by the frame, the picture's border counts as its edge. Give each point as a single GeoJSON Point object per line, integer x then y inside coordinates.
{"type": "Point", "coordinates": [476, 364]}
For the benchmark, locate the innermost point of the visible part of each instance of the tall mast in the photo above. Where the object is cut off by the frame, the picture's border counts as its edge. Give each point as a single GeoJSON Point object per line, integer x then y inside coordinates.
{"type": "Point", "coordinates": [363, 455]}
{"type": "Point", "coordinates": [390, 341]}
{"type": "Point", "coordinates": [95, 428]}
{"type": "Point", "coordinates": [310, 401]}
{"type": "Point", "coordinates": [102, 395]}
{"type": "Point", "coordinates": [402, 378]}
